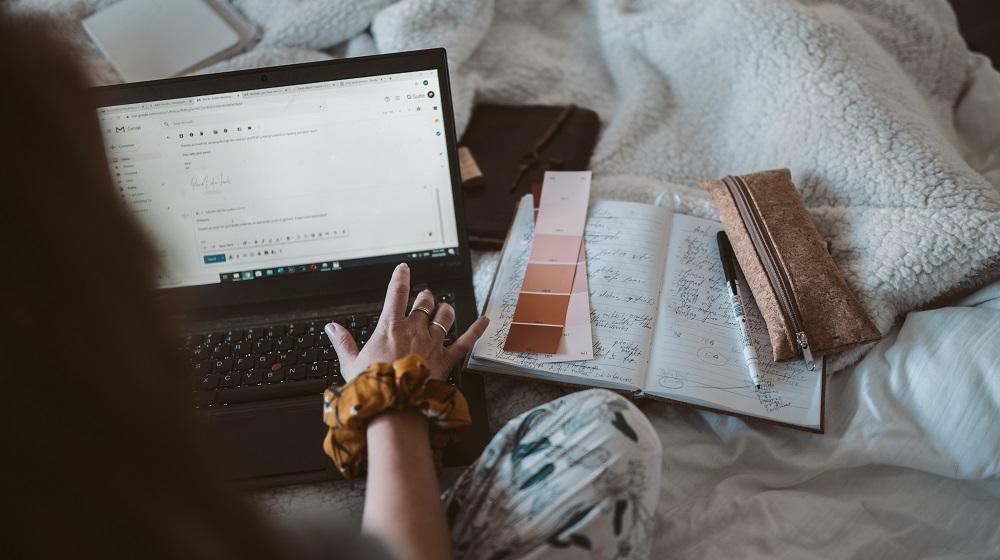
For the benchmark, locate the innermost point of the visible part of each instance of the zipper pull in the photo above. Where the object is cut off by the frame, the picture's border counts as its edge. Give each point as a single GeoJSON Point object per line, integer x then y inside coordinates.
{"type": "Point", "coordinates": [800, 337]}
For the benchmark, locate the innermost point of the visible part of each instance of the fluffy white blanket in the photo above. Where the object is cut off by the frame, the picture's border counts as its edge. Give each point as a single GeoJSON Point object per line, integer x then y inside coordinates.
{"type": "Point", "coordinates": [873, 106]}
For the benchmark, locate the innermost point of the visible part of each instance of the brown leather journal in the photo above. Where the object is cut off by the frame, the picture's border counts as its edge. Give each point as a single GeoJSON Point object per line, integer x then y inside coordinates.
{"type": "Point", "coordinates": [513, 147]}
{"type": "Point", "coordinates": [807, 305]}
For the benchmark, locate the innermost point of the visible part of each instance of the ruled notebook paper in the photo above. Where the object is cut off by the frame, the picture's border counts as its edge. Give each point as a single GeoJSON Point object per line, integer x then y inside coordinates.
{"type": "Point", "coordinates": [696, 356]}
{"type": "Point", "coordinates": [625, 253]}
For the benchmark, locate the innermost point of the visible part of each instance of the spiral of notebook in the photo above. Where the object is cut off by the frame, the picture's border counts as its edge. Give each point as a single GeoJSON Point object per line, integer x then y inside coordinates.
{"type": "Point", "coordinates": [660, 321]}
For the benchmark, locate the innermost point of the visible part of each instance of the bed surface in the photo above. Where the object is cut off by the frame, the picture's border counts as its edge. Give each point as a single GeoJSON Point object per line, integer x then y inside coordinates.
{"type": "Point", "coordinates": [897, 152]}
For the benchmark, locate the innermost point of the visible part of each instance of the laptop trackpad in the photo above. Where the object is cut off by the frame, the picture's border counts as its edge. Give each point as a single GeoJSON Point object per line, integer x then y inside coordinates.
{"type": "Point", "coordinates": [273, 439]}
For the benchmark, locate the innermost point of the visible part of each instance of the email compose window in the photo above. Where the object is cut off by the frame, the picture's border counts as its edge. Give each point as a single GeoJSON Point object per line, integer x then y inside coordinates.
{"type": "Point", "coordinates": [237, 186]}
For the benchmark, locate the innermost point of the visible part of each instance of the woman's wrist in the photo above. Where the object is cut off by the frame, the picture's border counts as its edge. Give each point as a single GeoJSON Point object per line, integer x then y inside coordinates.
{"type": "Point", "coordinates": [407, 423]}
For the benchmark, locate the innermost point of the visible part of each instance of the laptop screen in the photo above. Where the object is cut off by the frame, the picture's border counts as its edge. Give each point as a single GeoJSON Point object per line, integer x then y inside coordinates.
{"type": "Point", "coordinates": [246, 185]}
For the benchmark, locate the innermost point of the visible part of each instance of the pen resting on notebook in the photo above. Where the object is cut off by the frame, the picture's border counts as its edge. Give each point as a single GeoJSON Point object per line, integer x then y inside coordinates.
{"type": "Point", "coordinates": [729, 267]}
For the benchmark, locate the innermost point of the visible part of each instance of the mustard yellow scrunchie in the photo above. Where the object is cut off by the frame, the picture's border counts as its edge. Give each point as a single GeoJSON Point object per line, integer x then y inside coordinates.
{"type": "Point", "coordinates": [404, 384]}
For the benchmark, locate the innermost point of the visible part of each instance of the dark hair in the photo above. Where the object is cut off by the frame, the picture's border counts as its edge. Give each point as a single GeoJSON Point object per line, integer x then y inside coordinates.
{"type": "Point", "coordinates": [103, 455]}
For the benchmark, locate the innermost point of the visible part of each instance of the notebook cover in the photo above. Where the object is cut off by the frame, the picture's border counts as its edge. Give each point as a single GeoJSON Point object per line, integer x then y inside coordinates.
{"type": "Point", "coordinates": [499, 137]}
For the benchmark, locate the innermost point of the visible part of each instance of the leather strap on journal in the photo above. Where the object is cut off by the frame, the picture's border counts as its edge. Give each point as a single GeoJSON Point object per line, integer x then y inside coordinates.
{"type": "Point", "coordinates": [513, 146]}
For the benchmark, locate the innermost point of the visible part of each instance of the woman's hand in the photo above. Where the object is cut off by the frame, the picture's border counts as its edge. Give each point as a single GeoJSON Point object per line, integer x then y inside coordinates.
{"type": "Point", "coordinates": [398, 334]}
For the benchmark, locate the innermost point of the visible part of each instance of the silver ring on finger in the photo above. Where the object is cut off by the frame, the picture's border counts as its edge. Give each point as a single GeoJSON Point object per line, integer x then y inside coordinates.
{"type": "Point", "coordinates": [425, 310]}
{"type": "Point", "coordinates": [444, 330]}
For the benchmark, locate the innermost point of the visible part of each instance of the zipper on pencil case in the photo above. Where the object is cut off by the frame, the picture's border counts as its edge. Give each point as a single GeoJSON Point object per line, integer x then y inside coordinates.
{"type": "Point", "coordinates": [764, 245]}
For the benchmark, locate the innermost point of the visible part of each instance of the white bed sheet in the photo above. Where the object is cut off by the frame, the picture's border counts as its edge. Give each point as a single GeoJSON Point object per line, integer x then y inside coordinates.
{"type": "Point", "coordinates": [910, 464]}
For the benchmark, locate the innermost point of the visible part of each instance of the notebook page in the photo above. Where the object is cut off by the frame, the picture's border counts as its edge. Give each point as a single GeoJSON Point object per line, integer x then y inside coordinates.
{"type": "Point", "coordinates": [697, 357]}
{"type": "Point", "coordinates": [625, 252]}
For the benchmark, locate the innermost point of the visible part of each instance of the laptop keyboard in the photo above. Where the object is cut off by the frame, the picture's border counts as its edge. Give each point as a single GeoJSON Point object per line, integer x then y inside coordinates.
{"type": "Point", "coordinates": [272, 361]}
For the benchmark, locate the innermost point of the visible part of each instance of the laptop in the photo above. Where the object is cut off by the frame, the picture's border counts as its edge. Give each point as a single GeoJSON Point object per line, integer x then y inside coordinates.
{"type": "Point", "coordinates": [281, 199]}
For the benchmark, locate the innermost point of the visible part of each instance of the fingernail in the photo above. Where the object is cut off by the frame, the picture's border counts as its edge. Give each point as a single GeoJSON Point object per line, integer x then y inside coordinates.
{"type": "Point", "coordinates": [404, 266]}
{"type": "Point", "coordinates": [425, 291]}
{"type": "Point", "coordinates": [331, 331]}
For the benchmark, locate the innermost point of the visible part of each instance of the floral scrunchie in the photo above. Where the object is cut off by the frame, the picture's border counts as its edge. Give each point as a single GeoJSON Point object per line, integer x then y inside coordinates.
{"type": "Point", "coordinates": [404, 384]}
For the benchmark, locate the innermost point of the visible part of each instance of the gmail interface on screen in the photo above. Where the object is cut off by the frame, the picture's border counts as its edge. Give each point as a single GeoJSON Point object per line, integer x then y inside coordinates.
{"type": "Point", "coordinates": [268, 182]}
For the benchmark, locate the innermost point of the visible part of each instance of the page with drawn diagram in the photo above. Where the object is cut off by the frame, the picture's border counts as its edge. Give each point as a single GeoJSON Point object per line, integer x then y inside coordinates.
{"type": "Point", "coordinates": [696, 356]}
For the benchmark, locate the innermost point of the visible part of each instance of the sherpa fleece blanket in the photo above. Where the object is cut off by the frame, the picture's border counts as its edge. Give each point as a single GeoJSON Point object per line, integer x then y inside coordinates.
{"type": "Point", "coordinates": [883, 117]}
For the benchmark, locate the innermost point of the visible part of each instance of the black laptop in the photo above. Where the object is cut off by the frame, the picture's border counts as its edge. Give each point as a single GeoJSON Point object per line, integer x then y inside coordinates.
{"type": "Point", "coordinates": [281, 199]}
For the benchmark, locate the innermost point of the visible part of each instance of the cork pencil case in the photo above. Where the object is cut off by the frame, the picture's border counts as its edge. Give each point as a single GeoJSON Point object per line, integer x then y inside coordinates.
{"type": "Point", "coordinates": [807, 305]}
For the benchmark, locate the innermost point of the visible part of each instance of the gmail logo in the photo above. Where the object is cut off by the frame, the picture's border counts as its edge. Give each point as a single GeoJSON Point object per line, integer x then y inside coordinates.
{"type": "Point", "coordinates": [119, 129]}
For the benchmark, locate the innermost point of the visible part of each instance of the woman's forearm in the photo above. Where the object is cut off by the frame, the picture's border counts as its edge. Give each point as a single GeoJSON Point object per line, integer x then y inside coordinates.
{"type": "Point", "coordinates": [402, 501]}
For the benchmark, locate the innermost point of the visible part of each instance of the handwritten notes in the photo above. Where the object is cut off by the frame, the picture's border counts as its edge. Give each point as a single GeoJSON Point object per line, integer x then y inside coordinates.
{"type": "Point", "coordinates": [624, 244]}
{"type": "Point", "coordinates": [696, 352]}
{"type": "Point", "coordinates": [661, 320]}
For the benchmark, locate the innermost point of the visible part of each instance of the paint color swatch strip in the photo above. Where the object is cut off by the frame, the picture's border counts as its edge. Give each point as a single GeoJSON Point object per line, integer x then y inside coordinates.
{"type": "Point", "coordinates": [540, 315]}
{"type": "Point", "coordinates": [577, 342]}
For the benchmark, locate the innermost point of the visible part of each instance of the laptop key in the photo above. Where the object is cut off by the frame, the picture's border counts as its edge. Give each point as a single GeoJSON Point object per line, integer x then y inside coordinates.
{"type": "Point", "coordinates": [304, 341]}
{"type": "Point", "coordinates": [199, 353]}
{"type": "Point", "coordinates": [222, 366]}
{"type": "Point", "coordinates": [265, 392]}
{"type": "Point", "coordinates": [253, 377]}
{"type": "Point", "coordinates": [242, 348]}
{"type": "Point", "coordinates": [295, 329]}
{"type": "Point", "coordinates": [231, 379]}
{"type": "Point", "coordinates": [209, 382]}
{"type": "Point", "coordinates": [275, 331]}
{"type": "Point", "coordinates": [295, 373]}
{"type": "Point", "coordinates": [288, 358]}
{"type": "Point", "coordinates": [222, 350]}
{"type": "Point", "coordinates": [318, 370]}
{"type": "Point", "coordinates": [263, 345]}
{"type": "Point", "coordinates": [211, 339]}
{"type": "Point", "coordinates": [263, 360]}
{"type": "Point", "coordinates": [274, 375]}
{"type": "Point", "coordinates": [309, 356]}
{"type": "Point", "coordinates": [254, 334]}
{"type": "Point", "coordinates": [285, 343]}
{"type": "Point", "coordinates": [243, 364]}
{"type": "Point", "coordinates": [235, 335]}
{"type": "Point", "coordinates": [202, 367]}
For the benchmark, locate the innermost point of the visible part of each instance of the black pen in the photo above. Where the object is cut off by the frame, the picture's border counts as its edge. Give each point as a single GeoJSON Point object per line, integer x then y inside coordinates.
{"type": "Point", "coordinates": [729, 267]}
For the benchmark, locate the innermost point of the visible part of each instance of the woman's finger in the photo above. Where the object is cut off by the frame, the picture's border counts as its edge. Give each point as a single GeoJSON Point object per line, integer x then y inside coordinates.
{"type": "Point", "coordinates": [464, 344]}
{"type": "Point", "coordinates": [441, 322]}
{"type": "Point", "coordinates": [396, 295]}
{"type": "Point", "coordinates": [343, 344]}
{"type": "Point", "coordinates": [423, 306]}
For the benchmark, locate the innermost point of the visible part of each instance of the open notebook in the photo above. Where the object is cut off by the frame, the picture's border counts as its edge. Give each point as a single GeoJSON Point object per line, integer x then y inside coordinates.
{"type": "Point", "coordinates": [662, 324]}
